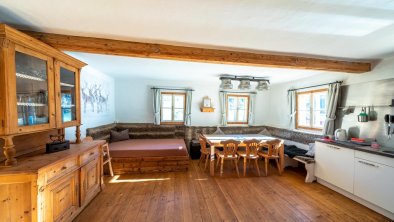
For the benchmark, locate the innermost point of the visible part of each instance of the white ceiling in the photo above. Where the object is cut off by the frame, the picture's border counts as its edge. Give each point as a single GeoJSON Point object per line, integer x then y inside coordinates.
{"type": "Point", "coordinates": [121, 67]}
{"type": "Point", "coordinates": [355, 29]}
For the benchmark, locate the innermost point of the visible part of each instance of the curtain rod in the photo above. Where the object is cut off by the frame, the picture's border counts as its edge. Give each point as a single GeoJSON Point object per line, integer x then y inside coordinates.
{"type": "Point", "coordinates": [172, 88]}
{"type": "Point", "coordinates": [238, 92]}
{"type": "Point", "coordinates": [307, 87]}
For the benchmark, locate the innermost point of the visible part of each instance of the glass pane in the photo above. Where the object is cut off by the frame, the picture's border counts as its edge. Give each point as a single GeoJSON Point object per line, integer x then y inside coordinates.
{"type": "Point", "coordinates": [232, 102]}
{"type": "Point", "coordinates": [319, 117]}
{"type": "Point", "coordinates": [231, 115]}
{"type": "Point", "coordinates": [319, 101]}
{"type": "Point", "coordinates": [178, 114]}
{"type": "Point", "coordinates": [31, 90]}
{"type": "Point", "coordinates": [304, 118]}
{"type": "Point", "coordinates": [241, 116]}
{"type": "Point", "coordinates": [67, 88]}
{"type": "Point", "coordinates": [304, 102]}
{"type": "Point", "coordinates": [166, 114]}
{"type": "Point", "coordinates": [179, 101]}
{"type": "Point", "coordinates": [242, 102]}
{"type": "Point", "coordinates": [166, 100]}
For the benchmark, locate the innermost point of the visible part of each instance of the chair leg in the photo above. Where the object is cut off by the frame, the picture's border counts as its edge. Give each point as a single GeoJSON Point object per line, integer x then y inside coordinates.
{"type": "Point", "coordinates": [277, 164]}
{"type": "Point", "coordinates": [206, 162]}
{"type": "Point", "coordinates": [217, 162]}
{"type": "Point", "coordinates": [244, 166]}
{"type": "Point", "coordinates": [266, 166]}
{"type": "Point", "coordinates": [201, 157]}
{"type": "Point", "coordinates": [236, 167]}
{"type": "Point", "coordinates": [221, 167]}
{"type": "Point", "coordinates": [257, 167]}
{"type": "Point", "coordinates": [111, 171]}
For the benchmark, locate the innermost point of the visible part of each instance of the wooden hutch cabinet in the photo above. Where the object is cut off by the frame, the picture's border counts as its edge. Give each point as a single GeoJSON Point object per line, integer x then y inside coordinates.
{"type": "Point", "coordinates": [39, 88]}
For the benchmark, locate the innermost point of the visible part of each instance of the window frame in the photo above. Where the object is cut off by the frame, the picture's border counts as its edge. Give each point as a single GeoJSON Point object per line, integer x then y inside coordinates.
{"type": "Point", "coordinates": [172, 122]}
{"type": "Point", "coordinates": [311, 110]}
{"type": "Point", "coordinates": [247, 109]}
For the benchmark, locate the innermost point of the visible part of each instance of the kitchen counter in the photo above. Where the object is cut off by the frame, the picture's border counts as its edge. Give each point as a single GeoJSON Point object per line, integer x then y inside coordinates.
{"type": "Point", "coordinates": [354, 146]}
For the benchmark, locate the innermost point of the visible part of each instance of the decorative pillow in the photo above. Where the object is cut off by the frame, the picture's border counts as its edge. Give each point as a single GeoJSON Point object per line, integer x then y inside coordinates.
{"type": "Point", "coordinates": [265, 132]}
{"type": "Point", "coordinates": [218, 131]}
{"type": "Point", "coordinates": [119, 136]}
{"type": "Point", "coordinates": [311, 151]}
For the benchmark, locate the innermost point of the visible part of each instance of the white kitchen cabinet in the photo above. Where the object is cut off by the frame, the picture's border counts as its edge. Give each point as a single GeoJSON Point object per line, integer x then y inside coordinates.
{"type": "Point", "coordinates": [374, 180]}
{"type": "Point", "coordinates": [335, 165]}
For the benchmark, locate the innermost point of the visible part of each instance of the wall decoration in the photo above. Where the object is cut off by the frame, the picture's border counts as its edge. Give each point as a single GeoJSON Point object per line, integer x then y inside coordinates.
{"type": "Point", "coordinates": [94, 97]}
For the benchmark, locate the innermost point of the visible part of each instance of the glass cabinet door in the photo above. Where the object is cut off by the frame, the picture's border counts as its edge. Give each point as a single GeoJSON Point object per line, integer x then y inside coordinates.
{"type": "Point", "coordinates": [31, 90]}
{"type": "Point", "coordinates": [67, 86]}
{"type": "Point", "coordinates": [68, 95]}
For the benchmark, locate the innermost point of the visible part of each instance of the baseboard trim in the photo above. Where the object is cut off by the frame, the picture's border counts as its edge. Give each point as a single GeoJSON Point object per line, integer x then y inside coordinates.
{"type": "Point", "coordinates": [357, 199]}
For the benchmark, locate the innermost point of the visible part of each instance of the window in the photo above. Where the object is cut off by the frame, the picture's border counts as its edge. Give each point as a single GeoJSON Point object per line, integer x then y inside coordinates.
{"type": "Point", "coordinates": [172, 108]}
{"type": "Point", "coordinates": [237, 109]}
{"type": "Point", "coordinates": [311, 109]}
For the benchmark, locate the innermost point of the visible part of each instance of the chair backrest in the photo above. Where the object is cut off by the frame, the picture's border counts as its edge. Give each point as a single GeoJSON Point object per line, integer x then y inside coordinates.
{"type": "Point", "coordinates": [274, 147]}
{"type": "Point", "coordinates": [87, 139]}
{"type": "Point", "coordinates": [252, 147]}
{"type": "Point", "coordinates": [203, 141]}
{"type": "Point", "coordinates": [230, 147]}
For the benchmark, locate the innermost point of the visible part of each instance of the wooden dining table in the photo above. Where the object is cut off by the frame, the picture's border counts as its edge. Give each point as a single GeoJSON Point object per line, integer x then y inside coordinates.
{"type": "Point", "coordinates": [215, 141]}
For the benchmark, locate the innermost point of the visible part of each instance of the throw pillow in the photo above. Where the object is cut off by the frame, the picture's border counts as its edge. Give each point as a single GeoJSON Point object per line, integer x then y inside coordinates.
{"type": "Point", "coordinates": [218, 132]}
{"type": "Point", "coordinates": [311, 151]}
{"type": "Point", "coordinates": [119, 136]}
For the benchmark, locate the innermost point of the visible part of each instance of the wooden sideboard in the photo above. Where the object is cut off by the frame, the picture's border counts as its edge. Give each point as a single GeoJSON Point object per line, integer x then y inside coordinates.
{"type": "Point", "coordinates": [39, 89]}
{"type": "Point", "coordinates": [52, 187]}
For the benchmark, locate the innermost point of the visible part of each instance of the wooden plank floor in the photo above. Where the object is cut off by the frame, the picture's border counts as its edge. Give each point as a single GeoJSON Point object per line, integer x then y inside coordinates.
{"type": "Point", "coordinates": [195, 196]}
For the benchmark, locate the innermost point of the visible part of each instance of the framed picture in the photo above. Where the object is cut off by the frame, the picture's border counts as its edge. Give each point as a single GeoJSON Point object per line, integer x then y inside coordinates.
{"type": "Point", "coordinates": [207, 102]}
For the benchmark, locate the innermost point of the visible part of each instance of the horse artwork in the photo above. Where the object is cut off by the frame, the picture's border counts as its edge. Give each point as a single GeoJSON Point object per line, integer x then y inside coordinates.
{"type": "Point", "coordinates": [94, 98]}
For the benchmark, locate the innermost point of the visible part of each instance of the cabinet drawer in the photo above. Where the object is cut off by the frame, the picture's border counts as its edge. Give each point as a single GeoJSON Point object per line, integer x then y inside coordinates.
{"type": "Point", "coordinates": [89, 155]}
{"type": "Point", "coordinates": [375, 158]}
{"type": "Point", "coordinates": [61, 169]}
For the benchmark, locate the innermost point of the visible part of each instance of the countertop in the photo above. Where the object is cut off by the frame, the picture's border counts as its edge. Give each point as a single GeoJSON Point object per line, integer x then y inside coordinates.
{"type": "Point", "coordinates": [32, 164]}
{"type": "Point", "coordinates": [357, 147]}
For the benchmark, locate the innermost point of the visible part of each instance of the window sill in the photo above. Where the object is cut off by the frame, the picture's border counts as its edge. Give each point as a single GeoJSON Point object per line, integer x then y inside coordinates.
{"type": "Point", "coordinates": [314, 132]}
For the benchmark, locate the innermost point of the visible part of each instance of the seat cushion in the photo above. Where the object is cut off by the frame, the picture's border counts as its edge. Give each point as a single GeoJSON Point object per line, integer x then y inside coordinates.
{"type": "Point", "coordinates": [119, 136]}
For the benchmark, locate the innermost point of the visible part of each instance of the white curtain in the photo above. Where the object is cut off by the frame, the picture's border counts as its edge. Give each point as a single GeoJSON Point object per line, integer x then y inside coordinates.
{"type": "Point", "coordinates": [332, 101]}
{"type": "Point", "coordinates": [223, 107]}
{"type": "Point", "coordinates": [156, 105]}
{"type": "Point", "coordinates": [188, 111]}
{"type": "Point", "coordinates": [252, 102]}
{"type": "Point", "coordinates": [291, 101]}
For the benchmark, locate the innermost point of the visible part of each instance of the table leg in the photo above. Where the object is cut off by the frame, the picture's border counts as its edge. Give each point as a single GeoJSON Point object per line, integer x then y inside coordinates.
{"type": "Point", "coordinates": [212, 163]}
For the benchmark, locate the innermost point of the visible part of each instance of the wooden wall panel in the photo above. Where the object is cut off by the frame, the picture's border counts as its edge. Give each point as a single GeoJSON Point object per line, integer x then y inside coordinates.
{"type": "Point", "coordinates": [28, 143]}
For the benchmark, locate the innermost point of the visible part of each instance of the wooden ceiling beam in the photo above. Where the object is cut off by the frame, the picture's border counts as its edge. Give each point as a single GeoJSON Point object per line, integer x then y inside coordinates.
{"type": "Point", "coordinates": [183, 53]}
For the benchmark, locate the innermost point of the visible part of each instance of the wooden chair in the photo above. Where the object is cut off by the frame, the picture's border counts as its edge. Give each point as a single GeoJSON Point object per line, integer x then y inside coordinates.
{"type": "Point", "coordinates": [106, 156]}
{"type": "Point", "coordinates": [230, 148]}
{"type": "Point", "coordinates": [250, 153]}
{"type": "Point", "coordinates": [205, 152]}
{"type": "Point", "coordinates": [272, 153]}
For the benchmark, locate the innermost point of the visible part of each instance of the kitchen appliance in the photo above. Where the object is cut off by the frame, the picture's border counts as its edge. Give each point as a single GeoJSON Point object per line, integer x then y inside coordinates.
{"type": "Point", "coordinates": [340, 135]}
{"type": "Point", "coordinates": [363, 116]}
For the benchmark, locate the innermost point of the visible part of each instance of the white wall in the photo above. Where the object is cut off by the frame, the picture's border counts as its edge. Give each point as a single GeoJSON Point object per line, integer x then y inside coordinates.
{"type": "Point", "coordinates": [89, 119]}
{"type": "Point", "coordinates": [277, 113]}
{"type": "Point", "coordinates": [134, 101]}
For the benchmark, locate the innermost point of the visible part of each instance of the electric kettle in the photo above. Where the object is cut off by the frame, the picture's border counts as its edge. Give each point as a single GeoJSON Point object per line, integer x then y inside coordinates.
{"type": "Point", "coordinates": [340, 135]}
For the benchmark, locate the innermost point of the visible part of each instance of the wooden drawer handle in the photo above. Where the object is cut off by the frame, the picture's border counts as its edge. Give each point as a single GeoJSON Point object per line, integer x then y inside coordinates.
{"type": "Point", "coordinates": [90, 154]}
{"type": "Point", "coordinates": [64, 167]}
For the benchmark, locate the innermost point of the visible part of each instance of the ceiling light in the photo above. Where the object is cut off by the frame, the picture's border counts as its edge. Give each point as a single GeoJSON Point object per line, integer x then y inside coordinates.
{"type": "Point", "coordinates": [244, 84]}
{"type": "Point", "coordinates": [263, 85]}
{"type": "Point", "coordinates": [226, 84]}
